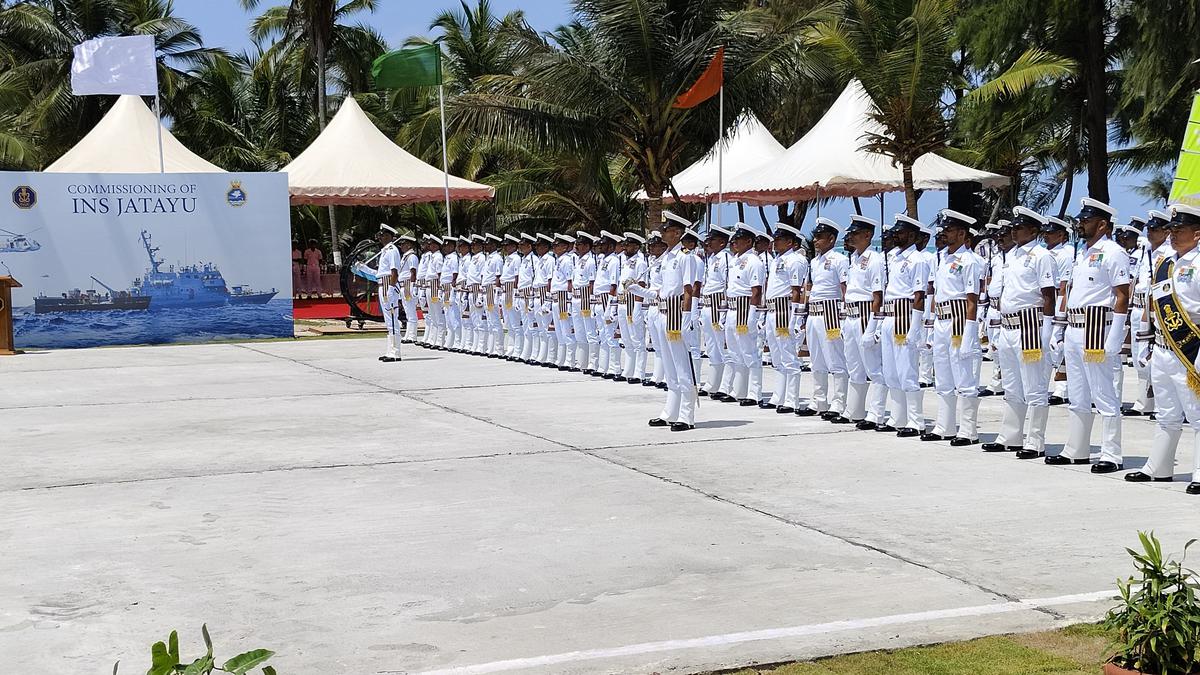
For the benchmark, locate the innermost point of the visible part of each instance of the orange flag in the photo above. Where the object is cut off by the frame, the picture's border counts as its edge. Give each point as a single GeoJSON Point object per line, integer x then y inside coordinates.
{"type": "Point", "coordinates": [707, 86]}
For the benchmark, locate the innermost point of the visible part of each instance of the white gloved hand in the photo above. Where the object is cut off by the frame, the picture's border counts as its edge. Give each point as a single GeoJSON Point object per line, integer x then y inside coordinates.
{"type": "Point", "coordinates": [970, 350]}
{"type": "Point", "coordinates": [1146, 355]}
{"type": "Point", "coordinates": [870, 336]}
{"type": "Point", "coordinates": [1047, 332]}
{"type": "Point", "coordinates": [1115, 340]}
{"type": "Point", "coordinates": [916, 328]}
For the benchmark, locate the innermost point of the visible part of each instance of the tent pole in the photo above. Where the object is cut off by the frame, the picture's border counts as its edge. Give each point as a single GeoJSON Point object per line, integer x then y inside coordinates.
{"type": "Point", "coordinates": [445, 160]}
{"type": "Point", "coordinates": [162, 163]}
{"type": "Point", "coordinates": [721, 152]}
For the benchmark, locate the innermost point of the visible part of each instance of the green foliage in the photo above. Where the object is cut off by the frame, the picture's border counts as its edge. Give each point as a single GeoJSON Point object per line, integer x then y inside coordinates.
{"type": "Point", "coordinates": [1157, 625]}
{"type": "Point", "coordinates": [165, 659]}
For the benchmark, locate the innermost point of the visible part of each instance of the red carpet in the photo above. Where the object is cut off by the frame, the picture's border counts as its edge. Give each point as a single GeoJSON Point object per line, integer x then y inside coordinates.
{"type": "Point", "coordinates": [325, 308]}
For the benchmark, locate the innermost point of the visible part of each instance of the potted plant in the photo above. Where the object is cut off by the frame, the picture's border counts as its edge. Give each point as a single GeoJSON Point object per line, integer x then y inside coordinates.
{"type": "Point", "coordinates": [1157, 624]}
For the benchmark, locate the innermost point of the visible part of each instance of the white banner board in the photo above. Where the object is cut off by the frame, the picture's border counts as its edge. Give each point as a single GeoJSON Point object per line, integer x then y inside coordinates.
{"type": "Point", "coordinates": [116, 259]}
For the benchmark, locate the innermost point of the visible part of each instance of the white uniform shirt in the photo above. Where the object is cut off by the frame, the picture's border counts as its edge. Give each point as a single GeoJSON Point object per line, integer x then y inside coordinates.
{"type": "Point", "coordinates": [1027, 270]}
{"type": "Point", "coordinates": [1186, 279]}
{"type": "Point", "coordinates": [931, 263]}
{"type": "Point", "coordinates": [864, 277]}
{"type": "Point", "coordinates": [1098, 270]}
{"type": "Point", "coordinates": [908, 274]}
{"type": "Point", "coordinates": [829, 271]}
{"type": "Point", "coordinates": [408, 263]}
{"type": "Point", "coordinates": [959, 275]}
{"type": "Point", "coordinates": [389, 259]}
{"type": "Point", "coordinates": [449, 268]}
{"type": "Point", "coordinates": [584, 271]}
{"type": "Point", "coordinates": [716, 272]}
{"type": "Point", "coordinates": [995, 287]}
{"type": "Point", "coordinates": [612, 273]}
{"type": "Point", "coordinates": [633, 269]}
{"type": "Point", "coordinates": [512, 265]}
{"type": "Point", "coordinates": [1064, 262]}
{"type": "Point", "coordinates": [678, 269]}
{"type": "Point", "coordinates": [423, 266]}
{"type": "Point", "coordinates": [788, 270]}
{"type": "Point", "coordinates": [1146, 272]}
{"type": "Point", "coordinates": [746, 273]}
{"type": "Point", "coordinates": [546, 265]}
{"type": "Point", "coordinates": [473, 271]}
{"type": "Point", "coordinates": [564, 271]}
{"type": "Point", "coordinates": [526, 271]}
{"type": "Point", "coordinates": [492, 267]}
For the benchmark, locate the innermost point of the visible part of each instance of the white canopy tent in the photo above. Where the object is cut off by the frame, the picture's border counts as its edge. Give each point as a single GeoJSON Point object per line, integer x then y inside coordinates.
{"type": "Point", "coordinates": [126, 141]}
{"type": "Point", "coordinates": [749, 145]}
{"type": "Point", "coordinates": [830, 162]}
{"type": "Point", "coordinates": [353, 162]}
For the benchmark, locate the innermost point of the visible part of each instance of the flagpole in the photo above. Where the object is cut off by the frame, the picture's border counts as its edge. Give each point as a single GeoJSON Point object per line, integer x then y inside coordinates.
{"type": "Point", "coordinates": [162, 163]}
{"type": "Point", "coordinates": [721, 153]}
{"type": "Point", "coordinates": [445, 160]}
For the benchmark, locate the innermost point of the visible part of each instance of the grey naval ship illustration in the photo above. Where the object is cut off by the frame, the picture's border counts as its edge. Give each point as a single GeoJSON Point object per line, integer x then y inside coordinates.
{"type": "Point", "coordinates": [77, 300]}
{"type": "Point", "coordinates": [243, 295]}
{"type": "Point", "coordinates": [189, 286]}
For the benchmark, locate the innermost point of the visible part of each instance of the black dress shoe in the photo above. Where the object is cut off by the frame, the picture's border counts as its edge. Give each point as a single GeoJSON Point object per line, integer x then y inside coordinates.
{"type": "Point", "coordinates": [661, 385]}
{"type": "Point", "coordinates": [1026, 453]}
{"type": "Point", "coordinates": [609, 376]}
{"type": "Point", "coordinates": [864, 425]}
{"type": "Point", "coordinates": [1139, 477]}
{"type": "Point", "coordinates": [907, 432]}
{"type": "Point", "coordinates": [648, 383]}
{"type": "Point", "coordinates": [885, 428]}
{"type": "Point", "coordinates": [1193, 488]}
{"type": "Point", "coordinates": [785, 410]}
{"type": "Point", "coordinates": [572, 370]}
{"type": "Point", "coordinates": [1107, 467]}
{"type": "Point", "coordinates": [563, 369]}
{"type": "Point", "coordinates": [722, 397]}
{"type": "Point", "coordinates": [959, 442]}
{"type": "Point", "coordinates": [806, 412]}
{"type": "Point", "coordinates": [620, 378]}
{"type": "Point", "coordinates": [840, 419]}
{"type": "Point", "coordinates": [767, 405]}
{"type": "Point", "coordinates": [633, 380]}
{"type": "Point", "coordinates": [682, 426]}
{"type": "Point", "coordinates": [984, 392]}
{"type": "Point", "coordinates": [996, 447]}
{"type": "Point", "coordinates": [1056, 400]}
{"type": "Point", "coordinates": [1130, 412]}
{"type": "Point", "coordinates": [383, 358]}
{"type": "Point", "coordinates": [828, 415]}
{"type": "Point", "coordinates": [388, 359]}
{"type": "Point", "coordinates": [702, 393]}
{"type": "Point", "coordinates": [925, 385]}
{"type": "Point", "coordinates": [1059, 460]}
{"type": "Point", "coordinates": [659, 422]}
{"type": "Point", "coordinates": [930, 436]}
{"type": "Point", "coordinates": [588, 371]}
{"type": "Point", "coordinates": [747, 402]}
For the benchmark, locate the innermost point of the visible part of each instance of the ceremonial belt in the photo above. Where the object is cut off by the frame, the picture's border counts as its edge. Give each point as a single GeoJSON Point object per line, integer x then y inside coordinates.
{"type": "Point", "coordinates": [717, 302]}
{"type": "Point", "coordinates": [833, 320]}
{"type": "Point", "coordinates": [674, 307]}
{"type": "Point", "coordinates": [954, 311]}
{"type": "Point", "coordinates": [509, 287]}
{"type": "Point", "coordinates": [1093, 320]}
{"type": "Point", "coordinates": [489, 293]}
{"type": "Point", "coordinates": [901, 309]}
{"type": "Point", "coordinates": [1029, 322]}
{"type": "Point", "coordinates": [585, 302]}
{"type": "Point", "coordinates": [861, 310]}
{"type": "Point", "coordinates": [542, 293]}
{"type": "Point", "coordinates": [1176, 327]}
{"type": "Point", "coordinates": [782, 306]}
{"type": "Point", "coordinates": [564, 302]}
{"type": "Point", "coordinates": [630, 301]}
{"type": "Point", "coordinates": [741, 309]}
{"type": "Point", "coordinates": [435, 292]}
{"type": "Point", "coordinates": [1139, 300]}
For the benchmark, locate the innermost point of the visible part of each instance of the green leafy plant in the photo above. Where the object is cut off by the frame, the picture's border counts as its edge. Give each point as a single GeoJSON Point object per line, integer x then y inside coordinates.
{"type": "Point", "coordinates": [1157, 625]}
{"type": "Point", "coordinates": [165, 660]}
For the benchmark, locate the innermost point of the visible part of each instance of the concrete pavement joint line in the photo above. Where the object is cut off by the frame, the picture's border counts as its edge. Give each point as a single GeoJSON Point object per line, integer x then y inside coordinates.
{"type": "Point", "coordinates": [268, 397]}
{"type": "Point", "coordinates": [717, 440]}
{"type": "Point", "coordinates": [417, 399]}
{"type": "Point", "coordinates": [795, 523]}
{"type": "Point", "coordinates": [767, 634]}
{"type": "Point", "coordinates": [281, 469]}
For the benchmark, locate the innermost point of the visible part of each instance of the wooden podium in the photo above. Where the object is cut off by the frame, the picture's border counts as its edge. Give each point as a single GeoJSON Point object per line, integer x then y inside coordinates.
{"type": "Point", "coordinates": [7, 283]}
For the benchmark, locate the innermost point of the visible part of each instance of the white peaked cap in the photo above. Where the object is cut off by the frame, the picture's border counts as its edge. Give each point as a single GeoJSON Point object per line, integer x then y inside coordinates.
{"type": "Point", "coordinates": [605, 234]}
{"type": "Point", "coordinates": [581, 236]}
{"type": "Point", "coordinates": [565, 237]}
{"type": "Point", "coordinates": [691, 232]}
{"type": "Point", "coordinates": [901, 218]}
{"type": "Point", "coordinates": [654, 234]}
{"type": "Point", "coordinates": [1159, 215]}
{"type": "Point", "coordinates": [525, 236]}
{"type": "Point", "coordinates": [961, 217]}
{"type": "Point", "coordinates": [491, 237]}
{"type": "Point", "coordinates": [636, 237]}
{"type": "Point", "coordinates": [509, 237]}
{"type": "Point", "coordinates": [1051, 220]}
{"type": "Point", "coordinates": [719, 230]}
{"type": "Point", "coordinates": [826, 222]}
{"type": "Point", "coordinates": [784, 227]}
{"type": "Point", "coordinates": [434, 238]}
{"type": "Point", "coordinates": [383, 227]}
{"type": "Point", "coordinates": [1019, 211]}
{"type": "Point", "coordinates": [1097, 204]}
{"type": "Point", "coordinates": [1184, 209]}
{"type": "Point", "coordinates": [407, 237]}
{"type": "Point", "coordinates": [541, 236]}
{"type": "Point", "coordinates": [667, 215]}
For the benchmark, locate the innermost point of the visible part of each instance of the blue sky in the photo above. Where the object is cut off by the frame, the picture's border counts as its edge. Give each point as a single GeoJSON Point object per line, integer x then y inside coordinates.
{"type": "Point", "coordinates": [224, 23]}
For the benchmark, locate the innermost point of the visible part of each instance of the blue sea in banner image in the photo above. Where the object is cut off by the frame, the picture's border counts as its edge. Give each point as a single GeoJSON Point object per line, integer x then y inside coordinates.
{"type": "Point", "coordinates": [65, 330]}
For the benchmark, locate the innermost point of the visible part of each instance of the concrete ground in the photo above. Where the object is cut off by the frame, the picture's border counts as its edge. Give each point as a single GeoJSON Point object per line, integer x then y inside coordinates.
{"type": "Point", "coordinates": [461, 515]}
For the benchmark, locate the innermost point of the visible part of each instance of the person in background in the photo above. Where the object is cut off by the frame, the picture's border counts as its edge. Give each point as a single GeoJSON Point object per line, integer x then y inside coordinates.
{"type": "Point", "coordinates": [312, 268]}
{"type": "Point", "coordinates": [297, 268]}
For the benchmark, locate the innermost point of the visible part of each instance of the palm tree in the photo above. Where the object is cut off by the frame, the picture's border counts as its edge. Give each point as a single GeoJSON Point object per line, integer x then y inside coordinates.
{"type": "Point", "coordinates": [608, 82]}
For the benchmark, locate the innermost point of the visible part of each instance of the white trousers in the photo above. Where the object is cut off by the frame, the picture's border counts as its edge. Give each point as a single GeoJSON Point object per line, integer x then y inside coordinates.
{"type": "Point", "coordinates": [1091, 384]}
{"type": "Point", "coordinates": [680, 405]}
{"type": "Point", "coordinates": [410, 314]}
{"type": "Point", "coordinates": [1026, 393]}
{"type": "Point", "coordinates": [786, 362]}
{"type": "Point", "coordinates": [633, 337]}
{"type": "Point", "coordinates": [867, 396]}
{"type": "Point", "coordinates": [745, 356]}
{"type": "Point", "coordinates": [900, 372]}
{"type": "Point", "coordinates": [829, 367]}
{"type": "Point", "coordinates": [714, 346]}
{"type": "Point", "coordinates": [956, 381]}
{"type": "Point", "coordinates": [1175, 402]}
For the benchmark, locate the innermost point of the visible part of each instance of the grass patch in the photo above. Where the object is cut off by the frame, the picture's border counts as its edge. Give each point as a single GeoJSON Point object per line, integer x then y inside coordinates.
{"type": "Point", "coordinates": [1075, 650]}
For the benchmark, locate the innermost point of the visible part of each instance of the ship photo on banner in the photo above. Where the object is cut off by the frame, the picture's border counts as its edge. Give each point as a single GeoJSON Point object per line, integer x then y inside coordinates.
{"type": "Point", "coordinates": [119, 259]}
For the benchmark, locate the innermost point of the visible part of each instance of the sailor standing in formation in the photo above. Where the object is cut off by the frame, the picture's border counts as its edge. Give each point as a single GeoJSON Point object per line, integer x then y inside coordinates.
{"type": "Point", "coordinates": [601, 303]}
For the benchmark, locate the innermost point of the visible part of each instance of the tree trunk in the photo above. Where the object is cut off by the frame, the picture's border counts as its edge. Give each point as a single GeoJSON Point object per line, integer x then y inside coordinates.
{"type": "Point", "coordinates": [654, 209]}
{"type": "Point", "coordinates": [1096, 114]}
{"type": "Point", "coordinates": [910, 194]}
{"type": "Point", "coordinates": [334, 244]}
{"type": "Point", "coordinates": [1068, 188]}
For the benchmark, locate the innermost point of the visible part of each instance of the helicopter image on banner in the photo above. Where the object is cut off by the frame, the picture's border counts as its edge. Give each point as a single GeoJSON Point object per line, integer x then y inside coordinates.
{"type": "Point", "coordinates": [11, 242]}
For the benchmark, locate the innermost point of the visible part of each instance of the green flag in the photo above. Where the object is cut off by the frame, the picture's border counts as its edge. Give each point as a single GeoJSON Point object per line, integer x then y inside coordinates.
{"type": "Point", "coordinates": [415, 67]}
{"type": "Point", "coordinates": [1187, 177]}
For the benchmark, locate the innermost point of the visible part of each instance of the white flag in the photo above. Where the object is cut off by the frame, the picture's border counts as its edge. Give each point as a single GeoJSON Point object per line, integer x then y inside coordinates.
{"type": "Point", "coordinates": [115, 65]}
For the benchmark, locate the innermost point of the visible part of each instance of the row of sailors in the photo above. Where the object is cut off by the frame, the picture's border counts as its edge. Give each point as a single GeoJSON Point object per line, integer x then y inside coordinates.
{"type": "Point", "coordinates": [868, 320]}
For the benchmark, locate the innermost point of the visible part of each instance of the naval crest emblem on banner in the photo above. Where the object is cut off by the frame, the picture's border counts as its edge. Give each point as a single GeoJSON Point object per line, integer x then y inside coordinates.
{"type": "Point", "coordinates": [24, 197]}
{"type": "Point", "coordinates": [236, 195]}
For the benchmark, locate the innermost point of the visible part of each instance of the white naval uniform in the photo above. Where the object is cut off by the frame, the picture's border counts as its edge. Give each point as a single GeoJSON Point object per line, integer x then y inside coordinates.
{"type": "Point", "coordinates": [493, 330]}
{"type": "Point", "coordinates": [1175, 400]}
{"type": "Point", "coordinates": [452, 300]}
{"type": "Point", "coordinates": [745, 273]}
{"type": "Point", "coordinates": [1064, 264]}
{"type": "Point", "coordinates": [677, 267]}
{"type": "Point", "coordinates": [867, 397]}
{"type": "Point", "coordinates": [435, 322]}
{"type": "Point", "coordinates": [560, 282]}
{"type": "Point", "coordinates": [1098, 270]}
{"type": "Point", "coordinates": [1027, 270]}
{"type": "Point", "coordinates": [712, 313]}
{"type": "Point", "coordinates": [693, 336]}
{"type": "Point", "coordinates": [510, 308]}
{"type": "Point", "coordinates": [608, 350]}
{"type": "Point", "coordinates": [409, 263]}
{"type": "Point", "coordinates": [422, 289]}
{"type": "Point", "coordinates": [995, 289]}
{"type": "Point", "coordinates": [1141, 348]}
{"type": "Point", "coordinates": [546, 309]}
{"type": "Point", "coordinates": [477, 320]}
{"type": "Point", "coordinates": [583, 321]}
{"type": "Point", "coordinates": [788, 272]}
{"type": "Point", "coordinates": [523, 341]}
{"type": "Point", "coordinates": [828, 276]}
{"type": "Point", "coordinates": [908, 274]}
{"type": "Point", "coordinates": [925, 375]}
{"type": "Point", "coordinates": [631, 317]}
{"type": "Point", "coordinates": [657, 375]}
{"type": "Point", "coordinates": [389, 297]}
{"type": "Point", "coordinates": [956, 366]}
